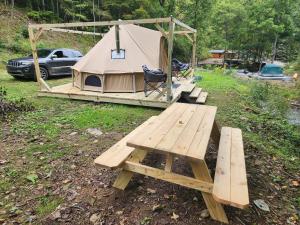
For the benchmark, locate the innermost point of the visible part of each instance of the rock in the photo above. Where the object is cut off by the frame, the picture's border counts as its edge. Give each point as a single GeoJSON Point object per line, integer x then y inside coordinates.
{"type": "Point", "coordinates": [73, 133]}
{"type": "Point", "coordinates": [258, 162]}
{"type": "Point", "coordinates": [73, 166]}
{"type": "Point", "coordinates": [94, 131]}
{"type": "Point", "coordinates": [195, 199]}
{"type": "Point", "coordinates": [2, 162]}
{"type": "Point", "coordinates": [261, 204]}
{"type": "Point", "coordinates": [95, 218]}
{"type": "Point", "coordinates": [95, 141]}
{"type": "Point", "coordinates": [119, 213]}
{"type": "Point", "coordinates": [56, 214]}
{"type": "Point", "coordinates": [204, 213]}
{"type": "Point", "coordinates": [151, 191]}
{"type": "Point", "coordinates": [66, 181]}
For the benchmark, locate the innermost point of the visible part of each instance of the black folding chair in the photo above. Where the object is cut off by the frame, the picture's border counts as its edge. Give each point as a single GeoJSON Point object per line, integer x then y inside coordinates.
{"type": "Point", "coordinates": [153, 80]}
{"type": "Point", "coordinates": [179, 69]}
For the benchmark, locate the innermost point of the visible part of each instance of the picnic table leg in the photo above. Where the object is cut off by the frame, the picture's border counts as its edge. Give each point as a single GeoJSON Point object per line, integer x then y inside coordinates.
{"type": "Point", "coordinates": [215, 209]}
{"type": "Point", "coordinates": [124, 177]}
{"type": "Point", "coordinates": [215, 134]}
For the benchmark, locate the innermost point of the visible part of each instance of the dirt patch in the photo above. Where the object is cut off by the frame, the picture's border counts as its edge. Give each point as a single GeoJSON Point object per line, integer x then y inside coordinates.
{"type": "Point", "coordinates": [71, 190]}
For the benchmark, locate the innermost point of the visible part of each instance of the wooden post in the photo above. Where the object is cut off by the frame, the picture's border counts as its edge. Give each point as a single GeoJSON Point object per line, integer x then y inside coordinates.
{"type": "Point", "coordinates": [35, 56]}
{"type": "Point", "coordinates": [170, 51]}
{"type": "Point", "coordinates": [194, 51]}
{"type": "Point", "coordinates": [215, 209]}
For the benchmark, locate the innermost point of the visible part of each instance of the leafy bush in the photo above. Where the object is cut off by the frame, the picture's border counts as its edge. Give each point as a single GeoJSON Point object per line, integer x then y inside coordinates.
{"type": "Point", "coordinates": [42, 16]}
{"type": "Point", "coordinates": [12, 105]}
{"type": "Point", "coordinates": [269, 98]}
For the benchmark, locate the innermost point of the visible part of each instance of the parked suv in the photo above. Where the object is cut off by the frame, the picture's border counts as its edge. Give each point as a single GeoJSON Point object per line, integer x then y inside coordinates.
{"type": "Point", "coordinates": [53, 62]}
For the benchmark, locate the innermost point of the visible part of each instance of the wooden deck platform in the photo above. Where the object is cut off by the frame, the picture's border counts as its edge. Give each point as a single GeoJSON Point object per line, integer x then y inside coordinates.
{"type": "Point", "coordinates": [153, 100]}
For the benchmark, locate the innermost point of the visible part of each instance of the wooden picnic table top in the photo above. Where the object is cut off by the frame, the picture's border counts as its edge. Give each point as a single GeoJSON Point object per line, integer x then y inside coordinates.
{"type": "Point", "coordinates": [182, 129]}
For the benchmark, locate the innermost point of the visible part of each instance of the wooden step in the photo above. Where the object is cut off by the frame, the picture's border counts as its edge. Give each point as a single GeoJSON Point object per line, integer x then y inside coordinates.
{"type": "Point", "coordinates": [188, 87]}
{"type": "Point", "coordinates": [195, 93]}
{"type": "Point", "coordinates": [202, 97]}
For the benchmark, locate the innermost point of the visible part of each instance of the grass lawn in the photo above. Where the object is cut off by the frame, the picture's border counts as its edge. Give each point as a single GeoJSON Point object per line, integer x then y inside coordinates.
{"type": "Point", "coordinates": [48, 154]}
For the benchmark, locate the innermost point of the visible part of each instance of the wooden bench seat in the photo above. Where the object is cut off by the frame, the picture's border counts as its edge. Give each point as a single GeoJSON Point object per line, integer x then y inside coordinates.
{"type": "Point", "coordinates": [230, 182]}
{"type": "Point", "coordinates": [119, 152]}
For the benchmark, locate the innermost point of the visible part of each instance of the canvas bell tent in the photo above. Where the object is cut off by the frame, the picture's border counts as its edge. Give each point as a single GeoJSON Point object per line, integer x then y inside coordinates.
{"type": "Point", "coordinates": [106, 68]}
{"type": "Point", "coordinates": [112, 70]}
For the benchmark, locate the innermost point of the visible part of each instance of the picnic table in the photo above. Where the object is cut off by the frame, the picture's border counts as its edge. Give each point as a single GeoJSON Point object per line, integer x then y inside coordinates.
{"type": "Point", "coordinates": [185, 130]}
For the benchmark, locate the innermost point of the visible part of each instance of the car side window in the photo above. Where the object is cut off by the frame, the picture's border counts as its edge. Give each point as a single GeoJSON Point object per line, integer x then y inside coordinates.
{"type": "Point", "coordinates": [68, 54]}
{"type": "Point", "coordinates": [77, 54]}
{"type": "Point", "coordinates": [59, 54]}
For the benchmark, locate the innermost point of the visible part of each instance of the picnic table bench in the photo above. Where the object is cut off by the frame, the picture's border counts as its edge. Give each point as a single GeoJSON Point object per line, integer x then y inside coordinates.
{"type": "Point", "coordinates": [185, 130]}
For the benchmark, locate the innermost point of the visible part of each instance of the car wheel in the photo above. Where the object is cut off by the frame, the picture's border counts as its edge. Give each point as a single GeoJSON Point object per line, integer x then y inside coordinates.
{"type": "Point", "coordinates": [44, 73]}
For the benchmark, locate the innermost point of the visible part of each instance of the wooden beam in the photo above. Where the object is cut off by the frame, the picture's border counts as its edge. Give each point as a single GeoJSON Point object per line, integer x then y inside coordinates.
{"type": "Point", "coordinates": [101, 23]}
{"type": "Point", "coordinates": [38, 34]}
{"type": "Point", "coordinates": [189, 37]}
{"type": "Point", "coordinates": [35, 57]}
{"type": "Point", "coordinates": [168, 176]}
{"type": "Point", "coordinates": [170, 52]}
{"type": "Point", "coordinates": [73, 31]}
{"type": "Point", "coordinates": [194, 50]}
{"type": "Point", "coordinates": [179, 23]}
{"type": "Point", "coordinates": [183, 32]}
{"type": "Point", "coordinates": [158, 27]}
{"type": "Point", "coordinates": [215, 209]}
{"type": "Point", "coordinates": [124, 177]}
{"type": "Point", "coordinates": [169, 162]}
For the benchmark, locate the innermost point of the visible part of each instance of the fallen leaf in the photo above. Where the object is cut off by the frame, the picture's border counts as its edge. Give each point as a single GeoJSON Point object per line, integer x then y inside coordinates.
{"type": "Point", "coordinates": [174, 216]}
{"type": "Point", "coordinates": [295, 183]}
{"type": "Point", "coordinates": [157, 208]}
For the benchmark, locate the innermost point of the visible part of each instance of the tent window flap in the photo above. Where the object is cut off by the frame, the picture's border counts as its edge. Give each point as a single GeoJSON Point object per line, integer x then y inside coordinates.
{"type": "Point", "coordinates": [93, 80]}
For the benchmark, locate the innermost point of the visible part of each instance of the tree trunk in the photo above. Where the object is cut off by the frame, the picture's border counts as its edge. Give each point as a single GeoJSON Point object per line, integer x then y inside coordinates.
{"type": "Point", "coordinates": [57, 8]}
{"type": "Point", "coordinates": [43, 5]}
{"type": "Point", "coordinates": [12, 8]}
{"type": "Point", "coordinates": [274, 48]}
{"type": "Point", "coordinates": [52, 5]}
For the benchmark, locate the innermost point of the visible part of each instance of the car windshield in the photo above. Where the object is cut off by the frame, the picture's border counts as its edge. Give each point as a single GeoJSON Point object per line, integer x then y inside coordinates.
{"type": "Point", "coordinates": [42, 53]}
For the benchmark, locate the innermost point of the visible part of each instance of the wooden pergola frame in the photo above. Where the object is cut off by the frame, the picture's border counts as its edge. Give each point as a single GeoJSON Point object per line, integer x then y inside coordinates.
{"type": "Point", "coordinates": [35, 31]}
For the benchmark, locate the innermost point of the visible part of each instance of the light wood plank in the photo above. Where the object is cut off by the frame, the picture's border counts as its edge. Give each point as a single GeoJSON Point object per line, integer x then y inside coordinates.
{"type": "Point", "coordinates": [101, 23]}
{"type": "Point", "coordinates": [195, 93]}
{"type": "Point", "coordinates": [125, 176]}
{"type": "Point", "coordinates": [74, 31]}
{"type": "Point", "coordinates": [188, 87]}
{"type": "Point", "coordinates": [201, 138]}
{"type": "Point", "coordinates": [183, 142]}
{"type": "Point", "coordinates": [222, 173]}
{"type": "Point", "coordinates": [156, 130]}
{"type": "Point", "coordinates": [239, 189]}
{"type": "Point", "coordinates": [168, 176]}
{"type": "Point", "coordinates": [119, 152]}
{"type": "Point", "coordinates": [215, 209]}
{"type": "Point", "coordinates": [202, 97]}
{"type": "Point", "coordinates": [230, 185]}
{"type": "Point", "coordinates": [175, 130]}
{"type": "Point", "coordinates": [169, 162]}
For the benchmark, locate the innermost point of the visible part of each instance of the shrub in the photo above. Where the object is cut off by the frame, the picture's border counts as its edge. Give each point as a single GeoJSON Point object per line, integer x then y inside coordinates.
{"type": "Point", "coordinates": [16, 105]}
